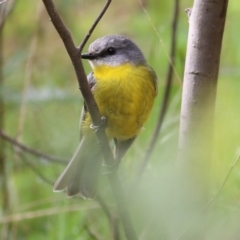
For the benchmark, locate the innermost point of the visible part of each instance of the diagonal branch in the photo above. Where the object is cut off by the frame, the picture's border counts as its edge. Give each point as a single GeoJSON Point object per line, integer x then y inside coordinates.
{"type": "Point", "coordinates": [74, 53]}
{"type": "Point", "coordinates": [212, 200]}
{"type": "Point", "coordinates": [90, 233]}
{"type": "Point", "coordinates": [3, 1]}
{"type": "Point", "coordinates": [166, 95]}
{"type": "Point", "coordinates": [81, 46]}
{"type": "Point", "coordinates": [35, 169]}
{"type": "Point", "coordinates": [32, 151]}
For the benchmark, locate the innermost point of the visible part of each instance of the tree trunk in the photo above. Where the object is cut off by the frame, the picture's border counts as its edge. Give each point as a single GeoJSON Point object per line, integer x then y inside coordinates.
{"type": "Point", "coordinates": [206, 22]}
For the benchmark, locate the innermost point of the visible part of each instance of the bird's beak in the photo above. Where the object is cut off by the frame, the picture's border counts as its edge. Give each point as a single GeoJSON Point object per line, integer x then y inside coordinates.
{"type": "Point", "coordinates": [89, 56]}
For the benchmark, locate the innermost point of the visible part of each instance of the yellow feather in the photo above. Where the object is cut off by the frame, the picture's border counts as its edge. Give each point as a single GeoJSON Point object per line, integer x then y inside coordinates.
{"type": "Point", "coordinates": [125, 96]}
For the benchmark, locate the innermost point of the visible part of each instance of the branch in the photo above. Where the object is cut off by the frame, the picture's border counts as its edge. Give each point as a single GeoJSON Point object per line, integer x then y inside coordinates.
{"type": "Point", "coordinates": [3, 1]}
{"type": "Point", "coordinates": [113, 221]}
{"type": "Point", "coordinates": [223, 183]}
{"type": "Point", "coordinates": [188, 11]}
{"type": "Point", "coordinates": [91, 234]}
{"type": "Point", "coordinates": [160, 40]}
{"type": "Point", "coordinates": [81, 46]}
{"type": "Point", "coordinates": [44, 212]}
{"type": "Point", "coordinates": [74, 53]}
{"type": "Point", "coordinates": [32, 151]}
{"type": "Point", "coordinates": [5, 10]}
{"type": "Point", "coordinates": [35, 169]}
{"type": "Point", "coordinates": [166, 95]}
{"type": "Point", "coordinates": [212, 199]}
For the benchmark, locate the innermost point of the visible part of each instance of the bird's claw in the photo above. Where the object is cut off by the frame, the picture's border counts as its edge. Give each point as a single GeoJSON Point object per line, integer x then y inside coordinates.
{"type": "Point", "coordinates": [102, 124]}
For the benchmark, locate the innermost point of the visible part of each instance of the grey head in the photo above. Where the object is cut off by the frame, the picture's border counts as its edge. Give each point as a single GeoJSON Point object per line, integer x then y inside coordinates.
{"type": "Point", "coordinates": [113, 50]}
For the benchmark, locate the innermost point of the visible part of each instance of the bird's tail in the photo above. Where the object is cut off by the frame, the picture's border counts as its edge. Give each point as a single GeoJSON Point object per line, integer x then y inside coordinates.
{"type": "Point", "coordinates": [81, 174]}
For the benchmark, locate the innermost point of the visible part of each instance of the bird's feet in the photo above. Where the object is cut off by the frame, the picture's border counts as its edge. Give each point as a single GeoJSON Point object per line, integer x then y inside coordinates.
{"type": "Point", "coordinates": [102, 124]}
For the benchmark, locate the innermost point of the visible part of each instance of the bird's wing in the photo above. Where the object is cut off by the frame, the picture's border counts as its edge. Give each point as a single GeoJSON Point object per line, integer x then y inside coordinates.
{"type": "Point", "coordinates": [121, 148]}
{"type": "Point", "coordinates": [155, 79]}
{"type": "Point", "coordinates": [81, 172]}
{"type": "Point", "coordinates": [91, 83]}
{"type": "Point", "coordinates": [64, 179]}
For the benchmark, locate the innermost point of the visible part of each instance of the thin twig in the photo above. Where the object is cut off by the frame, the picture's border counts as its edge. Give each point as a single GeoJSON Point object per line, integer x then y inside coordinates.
{"type": "Point", "coordinates": [91, 234]}
{"type": "Point", "coordinates": [211, 201]}
{"type": "Point", "coordinates": [36, 204]}
{"type": "Point", "coordinates": [166, 95]}
{"type": "Point", "coordinates": [3, 1]}
{"type": "Point", "coordinates": [122, 206]}
{"type": "Point", "coordinates": [74, 53]}
{"type": "Point", "coordinates": [104, 207]}
{"type": "Point", "coordinates": [224, 182]}
{"type": "Point", "coordinates": [83, 43]}
{"type": "Point", "coordinates": [113, 221]}
{"type": "Point", "coordinates": [188, 11]}
{"type": "Point", "coordinates": [45, 212]}
{"type": "Point", "coordinates": [35, 169]}
{"type": "Point", "coordinates": [160, 40]}
{"type": "Point", "coordinates": [32, 151]}
{"type": "Point", "coordinates": [5, 10]}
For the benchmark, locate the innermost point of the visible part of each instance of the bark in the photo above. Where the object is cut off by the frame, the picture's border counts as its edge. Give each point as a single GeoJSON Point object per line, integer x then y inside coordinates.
{"type": "Point", "coordinates": [206, 22]}
{"type": "Point", "coordinates": [5, 9]}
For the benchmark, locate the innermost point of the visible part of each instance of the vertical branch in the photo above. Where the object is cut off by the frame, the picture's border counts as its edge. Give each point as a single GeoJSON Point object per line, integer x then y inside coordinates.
{"type": "Point", "coordinates": [166, 95]}
{"type": "Point", "coordinates": [5, 10]}
{"type": "Point", "coordinates": [113, 221]}
{"type": "Point", "coordinates": [198, 102]}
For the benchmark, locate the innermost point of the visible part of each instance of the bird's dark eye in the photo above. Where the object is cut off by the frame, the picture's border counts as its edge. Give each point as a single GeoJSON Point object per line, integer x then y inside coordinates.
{"type": "Point", "coordinates": [111, 51]}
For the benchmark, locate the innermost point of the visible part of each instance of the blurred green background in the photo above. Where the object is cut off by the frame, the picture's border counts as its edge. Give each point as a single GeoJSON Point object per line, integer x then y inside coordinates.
{"type": "Point", "coordinates": [43, 104]}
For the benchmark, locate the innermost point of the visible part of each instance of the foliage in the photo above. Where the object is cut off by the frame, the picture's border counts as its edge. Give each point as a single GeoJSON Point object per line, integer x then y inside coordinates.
{"type": "Point", "coordinates": [52, 117]}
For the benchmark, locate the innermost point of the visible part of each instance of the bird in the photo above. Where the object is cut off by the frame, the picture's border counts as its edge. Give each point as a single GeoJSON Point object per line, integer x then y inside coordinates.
{"type": "Point", "coordinates": [124, 87]}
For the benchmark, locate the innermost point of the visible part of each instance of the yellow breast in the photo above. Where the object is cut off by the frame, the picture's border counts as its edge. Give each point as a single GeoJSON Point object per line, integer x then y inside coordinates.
{"type": "Point", "coordinates": [125, 95]}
